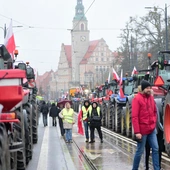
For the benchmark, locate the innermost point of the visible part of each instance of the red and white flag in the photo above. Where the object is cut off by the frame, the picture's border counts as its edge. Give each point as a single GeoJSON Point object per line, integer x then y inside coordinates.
{"type": "Point", "coordinates": [9, 41]}
{"type": "Point", "coordinates": [120, 85]}
{"type": "Point", "coordinates": [108, 78]}
{"type": "Point", "coordinates": [134, 71]}
{"type": "Point", "coordinates": [115, 75]}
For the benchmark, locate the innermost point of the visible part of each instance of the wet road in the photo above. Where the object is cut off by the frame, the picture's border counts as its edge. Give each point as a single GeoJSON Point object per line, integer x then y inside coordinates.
{"type": "Point", "coordinates": [52, 153]}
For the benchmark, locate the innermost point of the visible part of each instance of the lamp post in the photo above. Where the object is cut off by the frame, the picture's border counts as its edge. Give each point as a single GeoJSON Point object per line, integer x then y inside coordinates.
{"type": "Point", "coordinates": [166, 23]}
{"type": "Point", "coordinates": [5, 29]}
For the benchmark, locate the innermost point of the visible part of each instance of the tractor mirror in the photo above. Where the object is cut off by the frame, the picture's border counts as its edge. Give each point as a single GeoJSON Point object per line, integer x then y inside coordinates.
{"type": "Point", "coordinates": [30, 73]}
{"type": "Point", "coordinates": [22, 66]}
{"type": "Point", "coordinates": [161, 59]}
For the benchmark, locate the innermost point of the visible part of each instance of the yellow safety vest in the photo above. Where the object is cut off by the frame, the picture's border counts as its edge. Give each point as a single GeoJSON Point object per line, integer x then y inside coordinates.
{"type": "Point", "coordinates": [98, 111]}
{"type": "Point", "coordinates": [68, 115]}
{"type": "Point", "coordinates": [85, 112]}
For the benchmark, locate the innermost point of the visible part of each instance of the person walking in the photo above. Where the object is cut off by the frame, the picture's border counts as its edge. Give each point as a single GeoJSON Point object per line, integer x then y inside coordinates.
{"type": "Point", "coordinates": [67, 115]}
{"type": "Point", "coordinates": [94, 117]}
{"type": "Point", "coordinates": [144, 119]}
{"type": "Point", "coordinates": [54, 111]}
{"type": "Point", "coordinates": [83, 112]}
{"type": "Point", "coordinates": [62, 130]}
{"type": "Point", "coordinates": [44, 111]}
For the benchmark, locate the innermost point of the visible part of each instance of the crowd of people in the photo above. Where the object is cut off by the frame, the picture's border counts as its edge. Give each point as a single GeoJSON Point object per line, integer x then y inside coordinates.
{"type": "Point", "coordinates": [144, 119]}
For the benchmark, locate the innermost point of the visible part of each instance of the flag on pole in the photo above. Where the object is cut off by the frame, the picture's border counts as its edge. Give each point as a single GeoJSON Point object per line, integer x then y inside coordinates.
{"type": "Point", "coordinates": [134, 71]}
{"type": "Point", "coordinates": [120, 85]}
{"type": "Point", "coordinates": [121, 77]}
{"type": "Point", "coordinates": [9, 41]}
{"type": "Point", "coordinates": [109, 78]}
{"type": "Point", "coordinates": [115, 75]}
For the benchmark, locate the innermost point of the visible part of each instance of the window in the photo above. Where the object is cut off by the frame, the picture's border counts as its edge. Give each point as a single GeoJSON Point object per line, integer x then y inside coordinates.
{"type": "Point", "coordinates": [82, 27]}
{"type": "Point", "coordinates": [102, 59]}
{"type": "Point", "coordinates": [96, 68]}
{"type": "Point", "coordinates": [96, 59]}
{"type": "Point", "coordinates": [103, 68]}
{"type": "Point", "coordinates": [107, 59]}
{"type": "Point", "coordinates": [101, 54]}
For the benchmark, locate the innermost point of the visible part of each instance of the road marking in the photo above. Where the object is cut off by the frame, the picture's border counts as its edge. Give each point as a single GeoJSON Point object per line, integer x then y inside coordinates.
{"type": "Point", "coordinates": [43, 159]}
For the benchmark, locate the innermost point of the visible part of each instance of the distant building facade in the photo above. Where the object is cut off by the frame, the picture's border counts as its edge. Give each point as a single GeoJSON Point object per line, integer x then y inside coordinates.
{"type": "Point", "coordinates": [84, 61]}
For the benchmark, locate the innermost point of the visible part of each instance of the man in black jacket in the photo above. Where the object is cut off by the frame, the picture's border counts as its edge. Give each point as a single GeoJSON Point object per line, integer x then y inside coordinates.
{"type": "Point", "coordinates": [54, 111]}
{"type": "Point", "coordinates": [44, 111]}
{"type": "Point", "coordinates": [94, 118]}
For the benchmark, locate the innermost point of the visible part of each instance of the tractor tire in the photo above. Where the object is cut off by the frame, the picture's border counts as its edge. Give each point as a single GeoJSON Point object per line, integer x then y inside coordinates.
{"type": "Point", "coordinates": [113, 117]}
{"type": "Point", "coordinates": [34, 123]}
{"type": "Point", "coordinates": [166, 123]}
{"type": "Point", "coordinates": [21, 154]}
{"type": "Point", "coordinates": [128, 120]}
{"type": "Point", "coordinates": [28, 132]}
{"type": "Point", "coordinates": [110, 114]}
{"type": "Point", "coordinates": [118, 109]}
{"type": "Point", "coordinates": [4, 149]}
{"type": "Point", "coordinates": [13, 154]}
{"type": "Point", "coordinates": [123, 128]}
{"type": "Point", "coordinates": [104, 112]}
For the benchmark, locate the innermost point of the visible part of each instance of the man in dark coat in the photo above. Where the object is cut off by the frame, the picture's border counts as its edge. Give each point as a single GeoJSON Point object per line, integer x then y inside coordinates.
{"type": "Point", "coordinates": [94, 118]}
{"type": "Point", "coordinates": [44, 111]}
{"type": "Point", "coordinates": [54, 111]}
{"type": "Point", "coordinates": [62, 130]}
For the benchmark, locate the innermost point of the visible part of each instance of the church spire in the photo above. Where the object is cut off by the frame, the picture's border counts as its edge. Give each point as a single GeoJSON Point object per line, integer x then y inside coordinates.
{"type": "Point", "coordinates": [79, 11]}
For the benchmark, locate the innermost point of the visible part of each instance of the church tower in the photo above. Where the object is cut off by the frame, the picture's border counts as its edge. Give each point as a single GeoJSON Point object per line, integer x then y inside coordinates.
{"type": "Point", "coordinates": [79, 40]}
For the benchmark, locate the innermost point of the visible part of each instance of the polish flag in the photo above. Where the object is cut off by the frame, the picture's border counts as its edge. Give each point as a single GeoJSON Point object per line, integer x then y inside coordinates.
{"type": "Point", "coordinates": [134, 71]}
{"type": "Point", "coordinates": [115, 75]}
{"type": "Point", "coordinates": [121, 94]}
{"type": "Point", "coordinates": [121, 76]}
{"type": "Point", "coordinates": [9, 41]}
{"type": "Point", "coordinates": [108, 78]}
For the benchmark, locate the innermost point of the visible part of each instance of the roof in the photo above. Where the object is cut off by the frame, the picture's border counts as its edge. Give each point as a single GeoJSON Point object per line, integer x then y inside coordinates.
{"type": "Point", "coordinates": [92, 46]}
{"type": "Point", "coordinates": [68, 52]}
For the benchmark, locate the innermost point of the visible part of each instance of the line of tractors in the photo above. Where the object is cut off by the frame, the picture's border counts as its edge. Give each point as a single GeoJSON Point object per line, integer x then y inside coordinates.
{"type": "Point", "coordinates": [117, 109]}
{"type": "Point", "coordinates": [18, 112]}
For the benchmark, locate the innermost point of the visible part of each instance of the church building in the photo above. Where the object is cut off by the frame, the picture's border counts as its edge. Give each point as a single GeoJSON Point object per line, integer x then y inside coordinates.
{"type": "Point", "coordinates": [85, 61]}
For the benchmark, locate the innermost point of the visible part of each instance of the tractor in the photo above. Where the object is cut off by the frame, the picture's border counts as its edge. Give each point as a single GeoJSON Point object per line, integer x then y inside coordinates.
{"type": "Point", "coordinates": [16, 119]}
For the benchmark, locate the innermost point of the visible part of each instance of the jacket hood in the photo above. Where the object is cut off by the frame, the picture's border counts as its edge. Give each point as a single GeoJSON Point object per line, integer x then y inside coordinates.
{"type": "Point", "coordinates": [87, 102]}
{"type": "Point", "coordinates": [96, 104]}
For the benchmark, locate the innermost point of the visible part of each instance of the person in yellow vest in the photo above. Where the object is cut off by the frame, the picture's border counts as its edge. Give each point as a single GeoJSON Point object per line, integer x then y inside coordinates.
{"type": "Point", "coordinates": [67, 115]}
{"type": "Point", "coordinates": [94, 118]}
{"type": "Point", "coordinates": [83, 112]}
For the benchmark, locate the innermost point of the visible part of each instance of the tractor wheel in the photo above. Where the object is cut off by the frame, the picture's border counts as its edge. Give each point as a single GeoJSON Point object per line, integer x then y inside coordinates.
{"type": "Point", "coordinates": [20, 128]}
{"type": "Point", "coordinates": [34, 122]}
{"type": "Point", "coordinates": [128, 119]}
{"type": "Point", "coordinates": [113, 117]}
{"type": "Point", "coordinates": [118, 109]}
{"type": "Point", "coordinates": [110, 114]}
{"type": "Point", "coordinates": [104, 114]}
{"type": "Point", "coordinates": [4, 149]}
{"type": "Point", "coordinates": [28, 132]}
{"type": "Point", "coordinates": [166, 123]}
{"type": "Point", "coordinates": [123, 128]}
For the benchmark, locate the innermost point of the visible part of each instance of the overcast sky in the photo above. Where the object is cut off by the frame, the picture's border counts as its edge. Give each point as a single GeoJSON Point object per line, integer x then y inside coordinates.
{"type": "Point", "coordinates": [45, 24]}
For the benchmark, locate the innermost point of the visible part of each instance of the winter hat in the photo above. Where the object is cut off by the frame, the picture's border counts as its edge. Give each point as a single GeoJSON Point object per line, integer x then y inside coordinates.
{"type": "Point", "coordinates": [144, 84]}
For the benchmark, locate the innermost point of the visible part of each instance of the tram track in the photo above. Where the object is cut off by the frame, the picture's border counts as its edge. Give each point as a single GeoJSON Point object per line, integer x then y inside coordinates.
{"type": "Point", "coordinates": [165, 157]}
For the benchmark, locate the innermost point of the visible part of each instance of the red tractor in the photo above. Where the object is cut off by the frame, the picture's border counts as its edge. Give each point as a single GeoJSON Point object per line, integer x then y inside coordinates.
{"type": "Point", "coordinates": [16, 119]}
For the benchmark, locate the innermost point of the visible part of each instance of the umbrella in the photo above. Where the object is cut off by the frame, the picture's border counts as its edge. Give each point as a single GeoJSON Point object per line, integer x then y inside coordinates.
{"type": "Point", "coordinates": [63, 102]}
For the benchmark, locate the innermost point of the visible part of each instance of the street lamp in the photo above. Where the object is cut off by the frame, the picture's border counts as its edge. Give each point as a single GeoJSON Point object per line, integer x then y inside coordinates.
{"type": "Point", "coordinates": [166, 22]}
{"type": "Point", "coordinates": [5, 29]}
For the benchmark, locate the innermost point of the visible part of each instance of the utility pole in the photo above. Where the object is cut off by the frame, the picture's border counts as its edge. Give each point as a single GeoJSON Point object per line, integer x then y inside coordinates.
{"type": "Point", "coordinates": [166, 27]}
{"type": "Point", "coordinates": [5, 31]}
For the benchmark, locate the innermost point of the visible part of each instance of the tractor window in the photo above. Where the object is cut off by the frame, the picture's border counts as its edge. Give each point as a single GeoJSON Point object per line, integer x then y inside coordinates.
{"type": "Point", "coordinates": [165, 74]}
{"type": "Point", "coordinates": [128, 89]}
